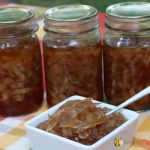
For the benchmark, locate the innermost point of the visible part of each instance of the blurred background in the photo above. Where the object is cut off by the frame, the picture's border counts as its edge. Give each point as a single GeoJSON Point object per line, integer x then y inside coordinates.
{"type": "Point", "coordinates": [99, 4]}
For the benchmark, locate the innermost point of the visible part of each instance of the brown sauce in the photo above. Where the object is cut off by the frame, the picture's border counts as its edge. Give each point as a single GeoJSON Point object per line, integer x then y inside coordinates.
{"type": "Point", "coordinates": [82, 121]}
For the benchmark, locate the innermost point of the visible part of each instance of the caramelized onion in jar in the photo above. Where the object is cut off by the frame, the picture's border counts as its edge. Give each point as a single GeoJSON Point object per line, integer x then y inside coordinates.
{"type": "Point", "coordinates": [82, 121]}
{"type": "Point", "coordinates": [73, 71]}
{"type": "Point", "coordinates": [127, 72]}
{"type": "Point", "coordinates": [127, 53]}
{"type": "Point", "coordinates": [73, 53]}
{"type": "Point", "coordinates": [21, 89]}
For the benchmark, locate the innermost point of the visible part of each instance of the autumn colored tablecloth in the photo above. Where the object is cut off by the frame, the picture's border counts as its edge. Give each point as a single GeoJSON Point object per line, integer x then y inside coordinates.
{"type": "Point", "coordinates": [12, 132]}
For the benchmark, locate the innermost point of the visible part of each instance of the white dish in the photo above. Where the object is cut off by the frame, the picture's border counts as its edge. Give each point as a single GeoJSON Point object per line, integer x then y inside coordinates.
{"type": "Point", "coordinates": [42, 140]}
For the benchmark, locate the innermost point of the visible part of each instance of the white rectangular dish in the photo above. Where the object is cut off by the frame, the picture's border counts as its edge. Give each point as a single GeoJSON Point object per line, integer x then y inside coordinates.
{"type": "Point", "coordinates": [42, 140]}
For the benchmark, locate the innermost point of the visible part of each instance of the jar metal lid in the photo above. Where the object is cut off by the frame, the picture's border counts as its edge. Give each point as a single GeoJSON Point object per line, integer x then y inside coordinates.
{"type": "Point", "coordinates": [130, 10]}
{"type": "Point", "coordinates": [10, 15]}
{"type": "Point", "coordinates": [131, 16]}
{"type": "Point", "coordinates": [70, 13]}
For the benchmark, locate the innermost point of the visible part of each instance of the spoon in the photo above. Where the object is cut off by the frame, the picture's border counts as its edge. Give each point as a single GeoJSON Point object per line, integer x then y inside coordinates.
{"type": "Point", "coordinates": [131, 100]}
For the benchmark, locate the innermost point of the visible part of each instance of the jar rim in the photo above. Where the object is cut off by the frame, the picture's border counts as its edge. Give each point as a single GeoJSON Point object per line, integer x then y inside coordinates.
{"type": "Point", "coordinates": [67, 13]}
{"type": "Point", "coordinates": [129, 10]}
{"type": "Point", "coordinates": [10, 15]}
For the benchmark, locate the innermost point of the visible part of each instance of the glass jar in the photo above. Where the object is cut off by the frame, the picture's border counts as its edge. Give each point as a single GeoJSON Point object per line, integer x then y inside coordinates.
{"type": "Point", "coordinates": [21, 89]}
{"type": "Point", "coordinates": [127, 52]}
{"type": "Point", "coordinates": [73, 53]}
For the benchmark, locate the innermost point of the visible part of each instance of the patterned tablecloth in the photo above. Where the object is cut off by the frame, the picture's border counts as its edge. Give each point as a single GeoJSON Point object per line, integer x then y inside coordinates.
{"type": "Point", "coordinates": [13, 134]}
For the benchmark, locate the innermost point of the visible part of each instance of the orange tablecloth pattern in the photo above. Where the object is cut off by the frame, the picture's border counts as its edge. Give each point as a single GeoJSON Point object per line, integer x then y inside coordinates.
{"type": "Point", "coordinates": [12, 132]}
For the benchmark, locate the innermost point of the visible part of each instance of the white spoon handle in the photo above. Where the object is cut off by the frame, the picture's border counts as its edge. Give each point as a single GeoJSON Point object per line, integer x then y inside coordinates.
{"type": "Point", "coordinates": [131, 100]}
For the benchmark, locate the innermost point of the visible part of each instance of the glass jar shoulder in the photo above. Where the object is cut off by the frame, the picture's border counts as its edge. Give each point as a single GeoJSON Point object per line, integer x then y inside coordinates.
{"type": "Point", "coordinates": [122, 39]}
{"type": "Point", "coordinates": [19, 43]}
{"type": "Point", "coordinates": [89, 39]}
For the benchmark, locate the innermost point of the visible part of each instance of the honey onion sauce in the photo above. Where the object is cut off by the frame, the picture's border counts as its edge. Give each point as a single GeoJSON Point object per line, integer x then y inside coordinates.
{"type": "Point", "coordinates": [21, 89]}
{"type": "Point", "coordinates": [82, 121]}
{"type": "Point", "coordinates": [127, 71]}
{"type": "Point", "coordinates": [73, 70]}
